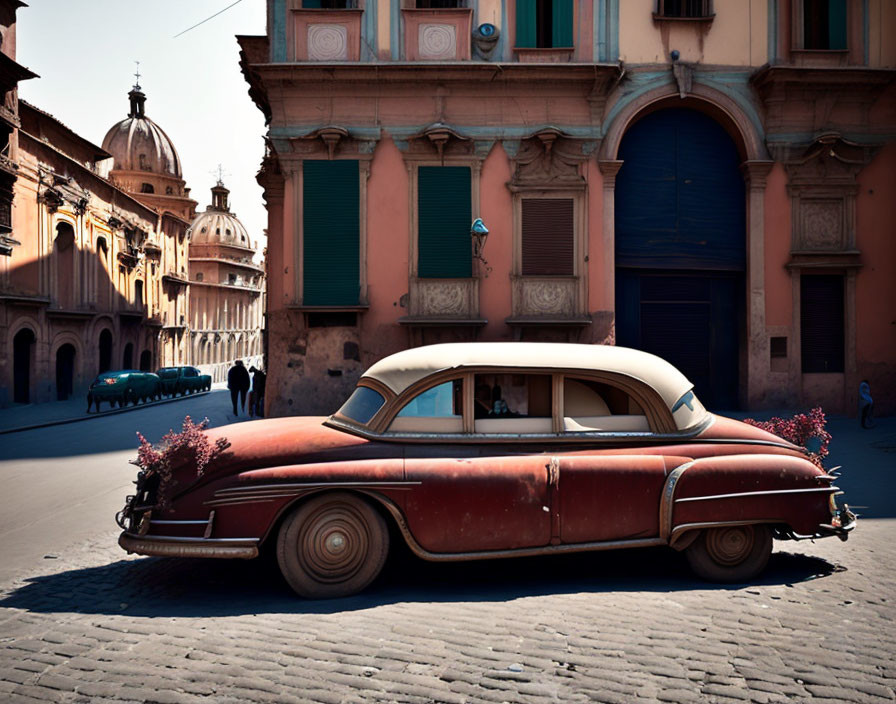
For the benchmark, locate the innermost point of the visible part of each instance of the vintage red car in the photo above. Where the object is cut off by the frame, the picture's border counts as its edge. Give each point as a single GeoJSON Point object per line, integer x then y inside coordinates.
{"type": "Point", "coordinates": [483, 450]}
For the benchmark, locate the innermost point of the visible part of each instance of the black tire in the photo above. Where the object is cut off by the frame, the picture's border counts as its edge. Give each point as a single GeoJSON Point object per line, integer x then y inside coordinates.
{"type": "Point", "coordinates": [730, 553]}
{"type": "Point", "coordinates": [332, 545]}
{"type": "Point", "coordinates": [132, 398]}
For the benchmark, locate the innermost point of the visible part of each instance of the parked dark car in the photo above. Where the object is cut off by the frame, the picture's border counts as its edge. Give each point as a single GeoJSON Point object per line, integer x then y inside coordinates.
{"type": "Point", "coordinates": [183, 380]}
{"type": "Point", "coordinates": [486, 450]}
{"type": "Point", "coordinates": [123, 387]}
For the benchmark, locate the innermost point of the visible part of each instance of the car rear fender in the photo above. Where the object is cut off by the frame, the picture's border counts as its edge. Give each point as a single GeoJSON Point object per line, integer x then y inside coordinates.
{"type": "Point", "coordinates": [745, 489]}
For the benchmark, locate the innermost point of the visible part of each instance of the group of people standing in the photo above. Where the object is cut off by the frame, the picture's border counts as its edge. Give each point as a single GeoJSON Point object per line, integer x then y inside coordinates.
{"type": "Point", "coordinates": [241, 384]}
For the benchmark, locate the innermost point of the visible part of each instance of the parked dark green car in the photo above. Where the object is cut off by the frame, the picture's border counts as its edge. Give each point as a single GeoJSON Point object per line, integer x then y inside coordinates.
{"type": "Point", "coordinates": [183, 380]}
{"type": "Point", "coordinates": [124, 387]}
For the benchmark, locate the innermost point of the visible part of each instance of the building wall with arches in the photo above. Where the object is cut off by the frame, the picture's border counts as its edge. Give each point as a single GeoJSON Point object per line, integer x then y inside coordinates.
{"type": "Point", "coordinates": [534, 138]}
{"type": "Point", "coordinates": [86, 266]}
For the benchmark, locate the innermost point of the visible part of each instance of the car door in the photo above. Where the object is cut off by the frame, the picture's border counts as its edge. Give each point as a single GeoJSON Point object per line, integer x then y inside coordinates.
{"type": "Point", "coordinates": [610, 497]}
{"type": "Point", "coordinates": [466, 500]}
{"type": "Point", "coordinates": [473, 503]}
{"type": "Point", "coordinates": [608, 494]}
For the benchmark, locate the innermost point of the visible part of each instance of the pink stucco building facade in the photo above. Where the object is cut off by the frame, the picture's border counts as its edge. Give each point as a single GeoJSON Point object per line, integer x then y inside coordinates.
{"type": "Point", "coordinates": [711, 181]}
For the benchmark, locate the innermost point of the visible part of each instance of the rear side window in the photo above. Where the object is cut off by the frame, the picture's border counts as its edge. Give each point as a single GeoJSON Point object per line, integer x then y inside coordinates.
{"type": "Point", "coordinates": [362, 405]}
{"type": "Point", "coordinates": [592, 406]}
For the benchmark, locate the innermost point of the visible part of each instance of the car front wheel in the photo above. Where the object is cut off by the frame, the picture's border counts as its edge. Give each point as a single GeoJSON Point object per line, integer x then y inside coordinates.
{"type": "Point", "coordinates": [730, 553]}
{"type": "Point", "coordinates": [331, 546]}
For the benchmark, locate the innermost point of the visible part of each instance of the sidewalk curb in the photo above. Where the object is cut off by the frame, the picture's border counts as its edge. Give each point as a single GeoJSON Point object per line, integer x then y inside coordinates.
{"type": "Point", "coordinates": [100, 414]}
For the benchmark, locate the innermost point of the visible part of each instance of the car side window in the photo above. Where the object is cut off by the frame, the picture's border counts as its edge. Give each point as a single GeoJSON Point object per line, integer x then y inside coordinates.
{"type": "Point", "coordinates": [438, 409]}
{"type": "Point", "coordinates": [592, 406]}
{"type": "Point", "coordinates": [512, 403]}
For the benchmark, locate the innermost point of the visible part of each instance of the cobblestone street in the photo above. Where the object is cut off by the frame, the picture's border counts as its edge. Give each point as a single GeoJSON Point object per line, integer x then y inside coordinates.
{"type": "Point", "coordinates": [610, 627]}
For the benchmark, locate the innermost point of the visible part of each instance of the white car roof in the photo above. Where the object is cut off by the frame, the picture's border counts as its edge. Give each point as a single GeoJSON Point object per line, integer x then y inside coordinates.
{"type": "Point", "coordinates": [402, 369]}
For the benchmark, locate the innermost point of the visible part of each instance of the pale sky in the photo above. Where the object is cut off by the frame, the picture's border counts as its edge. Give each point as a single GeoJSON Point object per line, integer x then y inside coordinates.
{"type": "Point", "coordinates": [84, 53]}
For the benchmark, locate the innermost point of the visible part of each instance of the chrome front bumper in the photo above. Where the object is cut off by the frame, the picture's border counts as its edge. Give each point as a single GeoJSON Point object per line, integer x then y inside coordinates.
{"type": "Point", "coordinates": [842, 524]}
{"type": "Point", "coordinates": [164, 546]}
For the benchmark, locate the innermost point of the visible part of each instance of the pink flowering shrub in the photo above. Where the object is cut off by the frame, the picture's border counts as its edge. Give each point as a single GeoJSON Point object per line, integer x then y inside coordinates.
{"type": "Point", "coordinates": [189, 447]}
{"type": "Point", "coordinates": [801, 430]}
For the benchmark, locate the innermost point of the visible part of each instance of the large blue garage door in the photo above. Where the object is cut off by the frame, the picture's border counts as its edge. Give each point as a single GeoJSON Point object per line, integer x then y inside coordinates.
{"type": "Point", "coordinates": [681, 248]}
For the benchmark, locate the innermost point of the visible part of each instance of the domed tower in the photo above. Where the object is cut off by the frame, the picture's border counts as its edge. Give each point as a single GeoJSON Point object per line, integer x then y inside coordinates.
{"type": "Point", "coordinates": [225, 290]}
{"type": "Point", "coordinates": [146, 163]}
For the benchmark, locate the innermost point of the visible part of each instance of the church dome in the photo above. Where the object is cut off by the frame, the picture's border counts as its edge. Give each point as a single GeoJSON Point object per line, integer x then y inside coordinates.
{"type": "Point", "coordinates": [139, 144]}
{"type": "Point", "coordinates": [217, 225]}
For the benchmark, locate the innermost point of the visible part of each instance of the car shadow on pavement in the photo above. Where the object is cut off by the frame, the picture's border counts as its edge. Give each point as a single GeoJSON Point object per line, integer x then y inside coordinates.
{"type": "Point", "coordinates": [176, 587]}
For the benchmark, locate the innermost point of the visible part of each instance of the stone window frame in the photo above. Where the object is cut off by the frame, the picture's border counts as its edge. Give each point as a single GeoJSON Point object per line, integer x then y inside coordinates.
{"type": "Point", "coordinates": [413, 167]}
{"type": "Point", "coordinates": [578, 195]}
{"type": "Point", "coordinates": [323, 144]}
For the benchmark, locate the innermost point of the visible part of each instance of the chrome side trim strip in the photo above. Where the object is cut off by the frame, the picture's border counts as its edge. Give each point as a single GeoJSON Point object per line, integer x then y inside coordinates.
{"type": "Point", "coordinates": [667, 503]}
{"type": "Point", "coordinates": [179, 539]}
{"type": "Point", "coordinates": [267, 492]}
{"type": "Point", "coordinates": [685, 527]}
{"type": "Point", "coordinates": [310, 485]}
{"type": "Point", "coordinates": [741, 494]}
{"type": "Point", "coordinates": [179, 523]}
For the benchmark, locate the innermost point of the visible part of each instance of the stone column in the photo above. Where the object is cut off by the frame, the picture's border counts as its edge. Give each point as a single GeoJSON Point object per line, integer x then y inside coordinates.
{"type": "Point", "coordinates": [757, 366]}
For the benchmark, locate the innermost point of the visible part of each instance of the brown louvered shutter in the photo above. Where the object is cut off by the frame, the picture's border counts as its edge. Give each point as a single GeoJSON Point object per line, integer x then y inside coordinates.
{"type": "Point", "coordinates": [822, 324]}
{"type": "Point", "coordinates": [547, 232]}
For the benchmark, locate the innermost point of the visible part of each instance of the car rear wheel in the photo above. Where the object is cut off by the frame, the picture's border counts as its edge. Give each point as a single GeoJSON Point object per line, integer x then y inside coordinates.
{"type": "Point", "coordinates": [730, 553]}
{"type": "Point", "coordinates": [331, 546]}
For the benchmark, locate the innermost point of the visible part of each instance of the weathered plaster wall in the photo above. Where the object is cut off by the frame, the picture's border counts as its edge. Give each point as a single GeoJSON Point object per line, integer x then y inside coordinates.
{"type": "Point", "coordinates": [875, 305]}
{"type": "Point", "coordinates": [387, 253]}
{"type": "Point", "coordinates": [723, 41]}
{"type": "Point", "coordinates": [600, 265]}
{"type": "Point", "coordinates": [496, 208]}
{"type": "Point", "coordinates": [778, 288]}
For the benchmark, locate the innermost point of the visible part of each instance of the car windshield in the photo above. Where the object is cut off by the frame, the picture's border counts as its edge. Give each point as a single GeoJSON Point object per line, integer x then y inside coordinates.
{"type": "Point", "coordinates": [362, 405]}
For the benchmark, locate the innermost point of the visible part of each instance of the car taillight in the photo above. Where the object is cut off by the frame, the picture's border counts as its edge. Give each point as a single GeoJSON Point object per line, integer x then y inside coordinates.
{"type": "Point", "coordinates": [110, 381]}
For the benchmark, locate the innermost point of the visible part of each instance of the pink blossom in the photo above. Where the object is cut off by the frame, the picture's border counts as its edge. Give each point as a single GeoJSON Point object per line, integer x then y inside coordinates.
{"type": "Point", "coordinates": [800, 430]}
{"type": "Point", "coordinates": [189, 447]}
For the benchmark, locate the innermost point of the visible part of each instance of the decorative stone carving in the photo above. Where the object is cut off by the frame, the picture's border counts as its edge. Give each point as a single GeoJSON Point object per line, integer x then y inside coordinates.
{"type": "Point", "coordinates": [545, 296]}
{"type": "Point", "coordinates": [327, 42]}
{"type": "Point", "coordinates": [440, 138]}
{"type": "Point", "coordinates": [437, 42]}
{"type": "Point", "coordinates": [444, 298]}
{"type": "Point", "coordinates": [548, 160]}
{"type": "Point", "coordinates": [684, 77]}
{"type": "Point", "coordinates": [823, 187]}
{"type": "Point", "coordinates": [821, 224]}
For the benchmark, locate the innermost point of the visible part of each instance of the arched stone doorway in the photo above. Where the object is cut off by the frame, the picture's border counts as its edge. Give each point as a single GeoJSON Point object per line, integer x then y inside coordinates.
{"type": "Point", "coordinates": [146, 361]}
{"type": "Point", "coordinates": [105, 351]}
{"type": "Point", "coordinates": [127, 360]}
{"type": "Point", "coordinates": [65, 371]}
{"type": "Point", "coordinates": [23, 359]}
{"type": "Point", "coordinates": [680, 248]}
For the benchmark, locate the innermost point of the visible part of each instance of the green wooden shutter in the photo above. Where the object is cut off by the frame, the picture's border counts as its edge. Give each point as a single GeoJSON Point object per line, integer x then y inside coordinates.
{"type": "Point", "coordinates": [561, 23]}
{"type": "Point", "coordinates": [331, 243]}
{"type": "Point", "coordinates": [444, 214]}
{"type": "Point", "coordinates": [525, 23]}
{"type": "Point", "coordinates": [837, 24]}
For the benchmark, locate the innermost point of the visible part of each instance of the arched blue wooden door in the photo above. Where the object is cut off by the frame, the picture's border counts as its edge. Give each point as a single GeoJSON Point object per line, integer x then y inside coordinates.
{"type": "Point", "coordinates": [681, 248]}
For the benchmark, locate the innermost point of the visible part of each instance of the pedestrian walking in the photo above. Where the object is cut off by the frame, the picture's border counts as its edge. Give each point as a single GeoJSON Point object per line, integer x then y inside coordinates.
{"type": "Point", "coordinates": [258, 383]}
{"type": "Point", "coordinates": [866, 405]}
{"type": "Point", "coordinates": [238, 382]}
